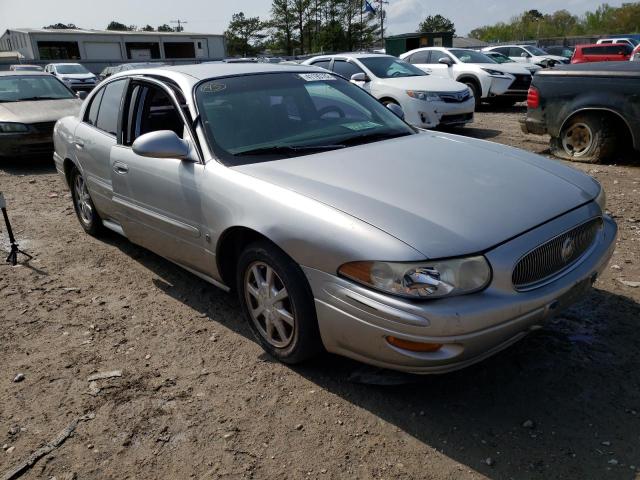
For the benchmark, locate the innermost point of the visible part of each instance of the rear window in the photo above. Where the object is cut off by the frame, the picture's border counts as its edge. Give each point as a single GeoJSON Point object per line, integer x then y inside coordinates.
{"type": "Point", "coordinates": [607, 50]}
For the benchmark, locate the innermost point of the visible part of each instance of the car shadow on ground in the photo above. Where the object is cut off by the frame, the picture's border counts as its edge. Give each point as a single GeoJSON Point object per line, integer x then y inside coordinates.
{"type": "Point", "coordinates": [497, 108]}
{"type": "Point", "coordinates": [562, 403]}
{"type": "Point", "coordinates": [41, 165]}
{"type": "Point", "coordinates": [470, 131]}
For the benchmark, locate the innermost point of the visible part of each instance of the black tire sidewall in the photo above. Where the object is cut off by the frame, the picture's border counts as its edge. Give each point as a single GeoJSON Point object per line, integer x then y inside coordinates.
{"type": "Point", "coordinates": [602, 145]}
{"type": "Point", "coordinates": [306, 341]}
{"type": "Point", "coordinates": [477, 94]}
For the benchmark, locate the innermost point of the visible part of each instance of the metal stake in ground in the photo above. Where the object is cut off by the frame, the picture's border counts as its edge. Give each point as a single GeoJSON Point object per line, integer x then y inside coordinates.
{"type": "Point", "coordinates": [13, 254]}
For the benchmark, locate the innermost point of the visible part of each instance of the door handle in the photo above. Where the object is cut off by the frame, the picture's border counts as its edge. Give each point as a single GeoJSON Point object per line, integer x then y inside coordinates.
{"type": "Point", "coordinates": [120, 168]}
{"type": "Point", "coordinates": [79, 144]}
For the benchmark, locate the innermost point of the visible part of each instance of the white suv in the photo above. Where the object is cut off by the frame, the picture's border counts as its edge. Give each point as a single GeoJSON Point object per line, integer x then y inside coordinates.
{"type": "Point", "coordinates": [428, 101]}
{"type": "Point", "coordinates": [74, 75]}
{"type": "Point", "coordinates": [489, 80]}
{"type": "Point", "coordinates": [629, 41]}
{"type": "Point", "coordinates": [527, 54]}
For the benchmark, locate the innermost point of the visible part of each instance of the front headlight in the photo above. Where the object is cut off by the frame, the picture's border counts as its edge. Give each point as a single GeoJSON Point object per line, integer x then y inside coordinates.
{"type": "Point", "coordinates": [429, 279]}
{"type": "Point", "coordinates": [10, 127]}
{"type": "Point", "coordinates": [494, 73]}
{"type": "Point", "coordinates": [601, 199]}
{"type": "Point", "coordinates": [422, 95]}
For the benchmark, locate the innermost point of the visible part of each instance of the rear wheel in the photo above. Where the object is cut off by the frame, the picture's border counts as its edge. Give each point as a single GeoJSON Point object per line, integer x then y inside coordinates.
{"type": "Point", "coordinates": [587, 138]}
{"type": "Point", "coordinates": [277, 303]}
{"type": "Point", "coordinates": [83, 205]}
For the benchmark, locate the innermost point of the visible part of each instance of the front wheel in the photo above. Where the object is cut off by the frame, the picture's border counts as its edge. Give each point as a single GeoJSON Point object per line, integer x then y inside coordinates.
{"type": "Point", "coordinates": [83, 205]}
{"type": "Point", "coordinates": [586, 138]}
{"type": "Point", "coordinates": [277, 302]}
{"type": "Point", "coordinates": [477, 93]}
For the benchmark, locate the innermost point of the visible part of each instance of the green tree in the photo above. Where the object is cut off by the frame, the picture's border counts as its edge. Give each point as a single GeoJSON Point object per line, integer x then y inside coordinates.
{"type": "Point", "coordinates": [148, 28]}
{"type": "Point", "coordinates": [117, 26]}
{"type": "Point", "coordinates": [281, 25]}
{"type": "Point", "coordinates": [60, 26]}
{"type": "Point", "coordinates": [436, 23]}
{"type": "Point", "coordinates": [243, 35]}
{"type": "Point", "coordinates": [165, 28]}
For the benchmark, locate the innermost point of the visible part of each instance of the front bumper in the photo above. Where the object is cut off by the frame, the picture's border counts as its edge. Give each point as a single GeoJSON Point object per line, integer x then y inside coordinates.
{"type": "Point", "coordinates": [26, 144]}
{"type": "Point", "coordinates": [354, 321]}
{"type": "Point", "coordinates": [432, 114]}
{"type": "Point", "coordinates": [81, 86]}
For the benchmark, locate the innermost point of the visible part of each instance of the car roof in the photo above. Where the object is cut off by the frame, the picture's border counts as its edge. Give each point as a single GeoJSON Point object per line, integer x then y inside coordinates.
{"type": "Point", "coordinates": [202, 71]}
{"type": "Point", "coordinates": [30, 73]}
{"type": "Point", "coordinates": [356, 55]}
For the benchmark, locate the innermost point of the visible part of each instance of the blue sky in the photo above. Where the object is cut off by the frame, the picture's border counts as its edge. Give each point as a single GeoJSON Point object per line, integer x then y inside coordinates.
{"type": "Point", "coordinates": [212, 16]}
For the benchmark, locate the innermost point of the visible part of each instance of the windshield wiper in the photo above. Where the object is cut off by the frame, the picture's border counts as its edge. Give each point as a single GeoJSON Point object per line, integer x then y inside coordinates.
{"type": "Point", "coordinates": [288, 149]}
{"type": "Point", "coordinates": [373, 137]}
{"type": "Point", "coordinates": [27, 99]}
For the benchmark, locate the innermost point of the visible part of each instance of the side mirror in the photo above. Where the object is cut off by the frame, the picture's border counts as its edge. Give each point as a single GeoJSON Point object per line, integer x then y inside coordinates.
{"type": "Point", "coordinates": [161, 144]}
{"type": "Point", "coordinates": [360, 77]}
{"type": "Point", "coordinates": [397, 109]}
{"type": "Point", "coordinates": [524, 55]}
{"type": "Point", "coordinates": [81, 94]}
{"type": "Point", "coordinates": [446, 61]}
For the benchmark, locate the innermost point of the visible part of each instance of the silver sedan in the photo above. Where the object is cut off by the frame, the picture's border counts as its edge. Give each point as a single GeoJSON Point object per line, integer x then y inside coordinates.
{"type": "Point", "coordinates": [340, 227]}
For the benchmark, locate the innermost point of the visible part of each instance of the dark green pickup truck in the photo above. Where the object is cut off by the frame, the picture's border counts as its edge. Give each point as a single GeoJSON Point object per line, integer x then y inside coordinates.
{"type": "Point", "coordinates": [591, 110]}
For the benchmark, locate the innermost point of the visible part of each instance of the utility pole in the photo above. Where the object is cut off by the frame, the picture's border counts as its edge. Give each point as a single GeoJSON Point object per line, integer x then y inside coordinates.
{"type": "Point", "coordinates": [381, 3]}
{"type": "Point", "coordinates": [179, 28]}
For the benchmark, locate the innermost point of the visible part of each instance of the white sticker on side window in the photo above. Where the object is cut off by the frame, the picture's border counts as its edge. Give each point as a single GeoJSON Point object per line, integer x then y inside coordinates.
{"type": "Point", "coordinates": [316, 77]}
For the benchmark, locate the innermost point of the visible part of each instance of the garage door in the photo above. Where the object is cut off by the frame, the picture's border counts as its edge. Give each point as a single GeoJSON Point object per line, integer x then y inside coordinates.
{"type": "Point", "coordinates": [103, 51]}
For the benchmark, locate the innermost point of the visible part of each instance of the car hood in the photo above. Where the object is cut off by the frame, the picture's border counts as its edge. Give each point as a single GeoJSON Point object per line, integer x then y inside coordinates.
{"type": "Point", "coordinates": [426, 82]}
{"type": "Point", "coordinates": [442, 194]}
{"type": "Point", "coordinates": [39, 111]}
{"type": "Point", "coordinates": [77, 76]}
{"type": "Point", "coordinates": [513, 68]}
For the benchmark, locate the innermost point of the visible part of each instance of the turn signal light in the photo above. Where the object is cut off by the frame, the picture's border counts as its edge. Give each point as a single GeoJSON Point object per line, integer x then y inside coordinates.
{"type": "Point", "coordinates": [533, 98]}
{"type": "Point", "coordinates": [414, 346]}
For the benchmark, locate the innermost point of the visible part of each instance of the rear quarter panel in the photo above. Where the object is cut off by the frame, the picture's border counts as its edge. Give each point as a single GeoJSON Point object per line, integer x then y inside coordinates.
{"type": "Point", "coordinates": [63, 138]}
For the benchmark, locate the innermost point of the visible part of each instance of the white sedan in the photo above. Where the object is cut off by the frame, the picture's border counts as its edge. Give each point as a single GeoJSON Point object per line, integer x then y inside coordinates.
{"type": "Point", "coordinates": [428, 101]}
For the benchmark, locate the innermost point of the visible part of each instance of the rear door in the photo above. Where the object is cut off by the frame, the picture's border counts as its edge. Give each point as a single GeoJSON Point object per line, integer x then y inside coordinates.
{"type": "Point", "coordinates": [158, 198]}
{"type": "Point", "coordinates": [94, 138]}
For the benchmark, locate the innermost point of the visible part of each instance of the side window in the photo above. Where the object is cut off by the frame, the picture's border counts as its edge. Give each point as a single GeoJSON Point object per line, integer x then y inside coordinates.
{"type": "Point", "coordinates": [517, 52]}
{"type": "Point", "coordinates": [419, 57]}
{"type": "Point", "coordinates": [91, 114]}
{"type": "Point", "coordinates": [322, 63]}
{"type": "Point", "coordinates": [110, 107]}
{"type": "Point", "coordinates": [345, 69]}
{"type": "Point", "coordinates": [502, 50]}
{"type": "Point", "coordinates": [436, 55]}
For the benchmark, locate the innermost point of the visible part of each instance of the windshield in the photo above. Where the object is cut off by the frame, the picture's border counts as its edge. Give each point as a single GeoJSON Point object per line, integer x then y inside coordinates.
{"type": "Point", "coordinates": [535, 50]}
{"type": "Point", "coordinates": [634, 41]}
{"type": "Point", "coordinates": [471, 56]}
{"type": "Point", "coordinates": [43, 87]}
{"type": "Point", "coordinates": [71, 68]}
{"type": "Point", "coordinates": [390, 67]}
{"type": "Point", "coordinates": [500, 58]}
{"type": "Point", "coordinates": [256, 118]}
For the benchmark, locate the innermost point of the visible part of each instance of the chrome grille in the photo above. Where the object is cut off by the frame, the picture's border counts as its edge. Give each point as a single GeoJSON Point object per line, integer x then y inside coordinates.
{"type": "Point", "coordinates": [455, 97]}
{"type": "Point", "coordinates": [554, 256]}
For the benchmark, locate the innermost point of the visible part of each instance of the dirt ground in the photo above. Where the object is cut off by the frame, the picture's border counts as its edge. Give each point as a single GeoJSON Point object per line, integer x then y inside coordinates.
{"type": "Point", "coordinates": [198, 399]}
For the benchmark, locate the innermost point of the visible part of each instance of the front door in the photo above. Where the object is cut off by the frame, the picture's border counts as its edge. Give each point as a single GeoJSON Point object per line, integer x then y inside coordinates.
{"type": "Point", "coordinates": [158, 199]}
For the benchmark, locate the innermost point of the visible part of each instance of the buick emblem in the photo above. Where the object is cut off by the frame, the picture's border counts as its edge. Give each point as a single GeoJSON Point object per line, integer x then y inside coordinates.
{"type": "Point", "coordinates": [568, 247]}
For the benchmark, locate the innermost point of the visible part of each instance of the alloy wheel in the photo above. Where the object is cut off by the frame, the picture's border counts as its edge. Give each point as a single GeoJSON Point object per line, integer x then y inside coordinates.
{"type": "Point", "coordinates": [83, 200]}
{"type": "Point", "coordinates": [577, 139]}
{"type": "Point", "coordinates": [269, 305]}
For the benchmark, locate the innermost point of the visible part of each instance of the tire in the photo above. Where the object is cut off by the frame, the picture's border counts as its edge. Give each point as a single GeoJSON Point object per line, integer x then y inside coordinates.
{"type": "Point", "coordinates": [477, 94]}
{"type": "Point", "coordinates": [83, 205]}
{"type": "Point", "coordinates": [287, 329]}
{"type": "Point", "coordinates": [589, 138]}
{"type": "Point", "coordinates": [387, 102]}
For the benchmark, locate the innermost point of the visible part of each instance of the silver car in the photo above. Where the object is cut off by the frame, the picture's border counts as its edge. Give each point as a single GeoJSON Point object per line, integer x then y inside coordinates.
{"type": "Point", "coordinates": [340, 226]}
{"type": "Point", "coordinates": [30, 104]}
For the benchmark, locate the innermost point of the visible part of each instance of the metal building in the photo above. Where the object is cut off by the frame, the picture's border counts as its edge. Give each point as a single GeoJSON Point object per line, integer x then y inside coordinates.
{"type": "Point", "coordinates": [101, 47]}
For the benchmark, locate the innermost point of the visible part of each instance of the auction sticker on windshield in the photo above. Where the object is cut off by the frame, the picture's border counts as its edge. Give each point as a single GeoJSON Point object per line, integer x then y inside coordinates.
{"type": "Point", "coordinates": [316, 77]}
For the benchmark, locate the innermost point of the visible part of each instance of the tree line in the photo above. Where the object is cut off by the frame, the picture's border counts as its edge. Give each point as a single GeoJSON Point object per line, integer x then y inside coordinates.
{"type": "Point", "coordinates": [297, 27]}
{"type": "Point", "coordinates": [533, 24]}
{"type": "Point", "coordinates": [120, 27]}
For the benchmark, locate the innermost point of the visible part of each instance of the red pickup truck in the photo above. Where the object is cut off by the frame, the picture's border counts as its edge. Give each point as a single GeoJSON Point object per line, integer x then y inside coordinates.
{"type": "Point", "coordinates": [616, 52]}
